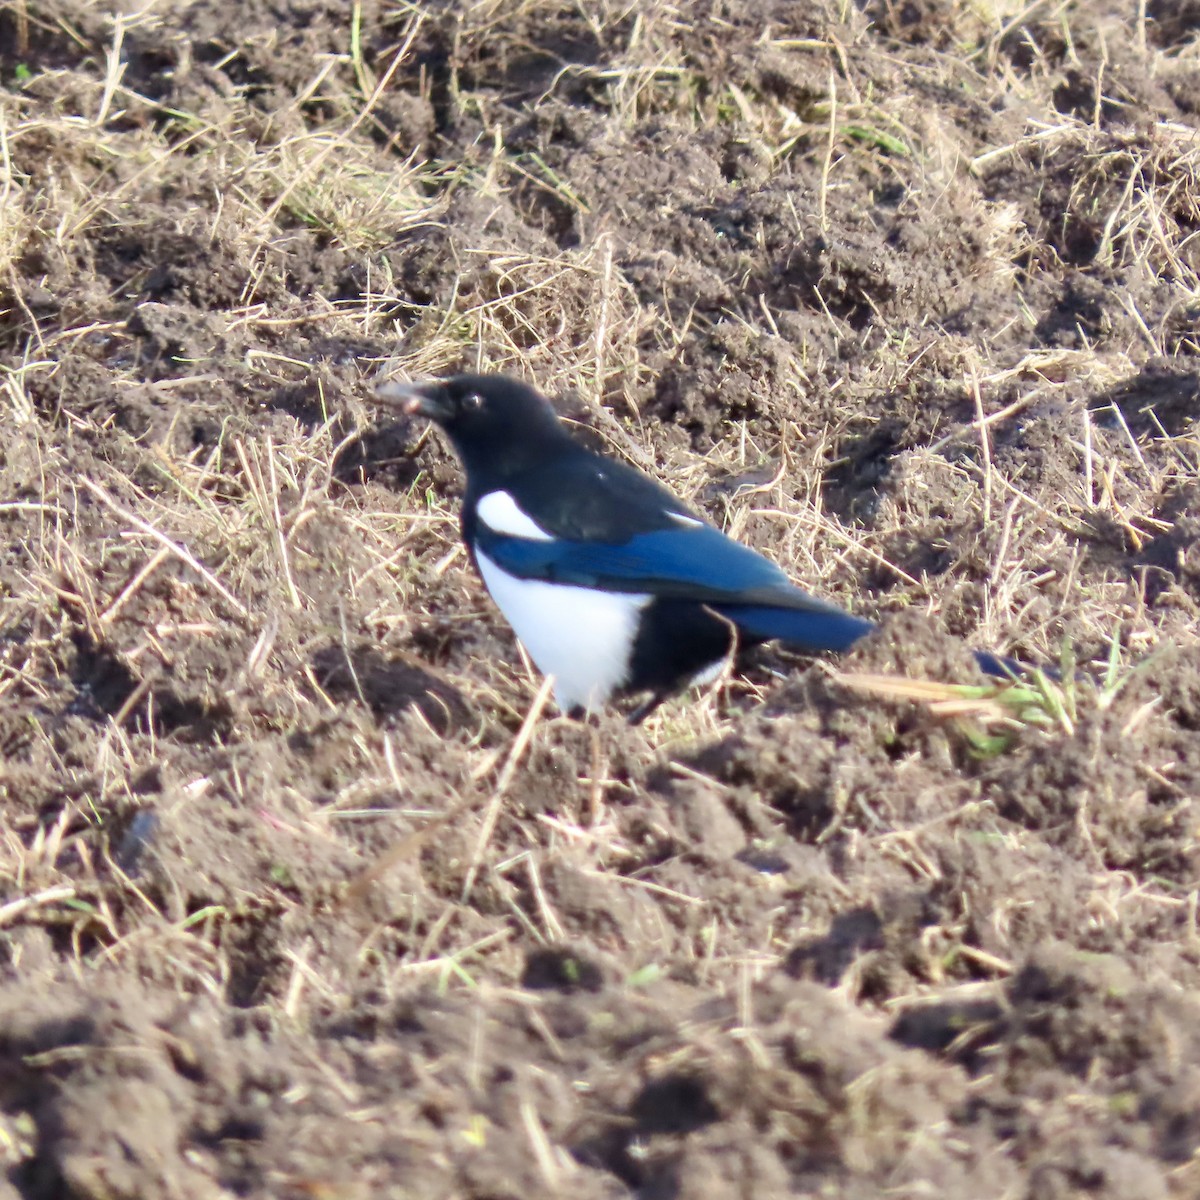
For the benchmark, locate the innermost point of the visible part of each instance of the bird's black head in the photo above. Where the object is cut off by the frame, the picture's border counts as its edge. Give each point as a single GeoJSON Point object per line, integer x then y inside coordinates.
{"type": "Point", "coordinates": [496, 424]}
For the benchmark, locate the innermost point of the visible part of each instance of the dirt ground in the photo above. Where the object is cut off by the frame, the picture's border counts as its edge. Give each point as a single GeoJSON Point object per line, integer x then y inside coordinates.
{"type": "Point", "coordinates": [304, 897]}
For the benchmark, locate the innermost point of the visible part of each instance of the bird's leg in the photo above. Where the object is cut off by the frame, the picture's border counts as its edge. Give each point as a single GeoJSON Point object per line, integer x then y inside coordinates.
{"type": "Point", "coordinates": [646, 707]}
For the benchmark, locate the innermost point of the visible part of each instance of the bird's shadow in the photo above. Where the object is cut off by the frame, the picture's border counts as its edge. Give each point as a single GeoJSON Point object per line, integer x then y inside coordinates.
{"type": "Point", "coordinates": [384, 451]}
{"type": "Point", "coordinates": [390, 685]}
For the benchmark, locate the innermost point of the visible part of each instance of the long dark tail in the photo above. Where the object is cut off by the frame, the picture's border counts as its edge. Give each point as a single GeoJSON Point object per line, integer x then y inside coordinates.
{"type": "Point", "coordinates": [811, 631]}
{"type": "Point", "coordinates": [822, 630]}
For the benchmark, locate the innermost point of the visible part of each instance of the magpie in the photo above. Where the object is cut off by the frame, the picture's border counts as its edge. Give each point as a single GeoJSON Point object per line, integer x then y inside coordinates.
{"type": "Point", "coordinates": [614, 586]}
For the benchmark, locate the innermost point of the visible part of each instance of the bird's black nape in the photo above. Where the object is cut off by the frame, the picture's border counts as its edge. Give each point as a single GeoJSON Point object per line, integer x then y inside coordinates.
{"type": "Point", "coordinates": [498, 425]}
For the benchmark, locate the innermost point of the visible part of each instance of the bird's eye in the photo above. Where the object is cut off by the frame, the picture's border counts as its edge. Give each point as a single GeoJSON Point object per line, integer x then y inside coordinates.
{"type": "Point", "coordinates": [472, 401]}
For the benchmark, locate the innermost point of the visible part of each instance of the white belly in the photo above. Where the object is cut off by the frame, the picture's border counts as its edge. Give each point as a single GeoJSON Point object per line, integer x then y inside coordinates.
{"type": "Point", "coordinates": [581, 636]}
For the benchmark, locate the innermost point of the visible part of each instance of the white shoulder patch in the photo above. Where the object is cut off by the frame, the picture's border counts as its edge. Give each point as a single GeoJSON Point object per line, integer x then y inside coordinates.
{"type": "Point", "coordinates": [501, 514]}
{"type": "Point", "coordinates": [684, 519]}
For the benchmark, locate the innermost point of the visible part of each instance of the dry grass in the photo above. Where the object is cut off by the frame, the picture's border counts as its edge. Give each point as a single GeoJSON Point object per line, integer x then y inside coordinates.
{"type": "Point", "coordinates": [572, 320]}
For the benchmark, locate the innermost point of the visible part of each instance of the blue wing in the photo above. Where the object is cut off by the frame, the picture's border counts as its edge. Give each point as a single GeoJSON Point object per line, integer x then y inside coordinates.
{"type": "Point", "coordinates": [698, 563]}
{"type": "Point", "coordinates": [695, 563]}
{"type": "Point", "coordinates": [701, 564]}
